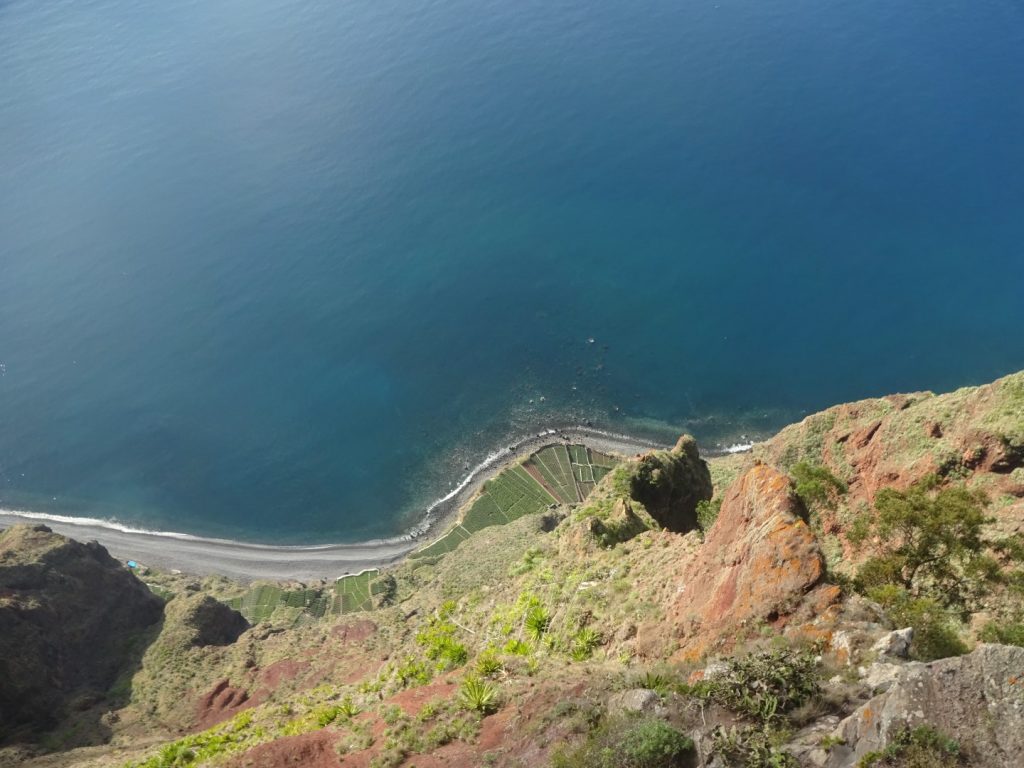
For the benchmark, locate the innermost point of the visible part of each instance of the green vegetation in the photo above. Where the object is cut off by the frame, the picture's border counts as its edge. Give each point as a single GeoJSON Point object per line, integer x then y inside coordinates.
{"type": "Point", "coordinates": [537, 622]}
{"type": "Point", "coordinates": [936, 635]}
{"type": "Point", "coordinates": [478, 695]}
{"type": "Point", "coordinates": [438, 639]}
{"type": "Point", "coordinates": [707, 513]}
{"type": "Point", "coordinates": [232, 736]}
{"type": "Point", "coordinates": [584, 643]}
{"type": "Point", "coordinates": [627, 742]}
{"type": "Point", "coordinates": [922, 747]}
{"type": "Point", "coordinates": [1007, 633]}
{"type": "Point", "coordinates": [816, 486]}
{"type": "Point", "coordinates": [751, 747]}
{"type": "Point", "coordinates": [933, 561]}
{"type": "Point", "coordinates": [351, 594]}
{"type": "Point", "coordinates": [766, 687]}
{"type": "Point", "coordinates": [569, 474]}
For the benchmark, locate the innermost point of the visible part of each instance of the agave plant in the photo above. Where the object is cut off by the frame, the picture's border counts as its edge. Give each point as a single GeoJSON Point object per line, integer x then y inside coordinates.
{"type": "Point", "coordinates": [537, 622]}
{"type": "Point", "coordinates": [479, 695]}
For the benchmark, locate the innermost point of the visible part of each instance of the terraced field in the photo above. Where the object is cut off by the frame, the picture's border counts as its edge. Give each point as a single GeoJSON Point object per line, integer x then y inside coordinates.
{"type": "Point", "coordinates": [557, 474]}
{"type": "Point", "coordinates": [350, 594]}
{"type": "Point", "coordinates": [355, 593]}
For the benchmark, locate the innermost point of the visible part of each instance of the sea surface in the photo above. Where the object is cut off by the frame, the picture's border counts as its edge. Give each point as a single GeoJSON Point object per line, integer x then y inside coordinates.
{"type": "Point", "coordinates": [284, 270]}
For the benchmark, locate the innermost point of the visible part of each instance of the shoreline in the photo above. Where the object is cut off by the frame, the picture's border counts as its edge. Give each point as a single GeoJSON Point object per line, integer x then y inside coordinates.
{"type": "Point", "coordinates": [247, 561]}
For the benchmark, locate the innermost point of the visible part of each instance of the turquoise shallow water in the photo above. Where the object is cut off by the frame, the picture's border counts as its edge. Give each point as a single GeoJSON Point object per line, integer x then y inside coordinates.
{"type": "Point", "coordinates": [281, 270]}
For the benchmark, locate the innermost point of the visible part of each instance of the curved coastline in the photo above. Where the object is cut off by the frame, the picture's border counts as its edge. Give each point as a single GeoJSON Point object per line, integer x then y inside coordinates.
{"type": "Point", "coordinates": [243, 560]}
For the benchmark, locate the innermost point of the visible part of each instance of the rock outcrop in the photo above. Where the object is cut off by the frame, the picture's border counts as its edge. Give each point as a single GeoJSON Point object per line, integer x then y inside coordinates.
{"type": "Point", "coordinates": [977, 699]}
{"type": "Point", "coordinates": [71, 618]}
{"type": "Point", "coordinates": [206, 621]}
{"type": "Point", "coordinates": [759, 562]}
{"type": "Point", "coordinates": [671, 483]}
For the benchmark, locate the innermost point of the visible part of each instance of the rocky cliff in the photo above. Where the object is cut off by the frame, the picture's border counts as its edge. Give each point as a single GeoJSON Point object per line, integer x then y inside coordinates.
{"type": "Point", "coordinates": [72, 620]}
{"type": "Point", "coordinates": [647, 627]}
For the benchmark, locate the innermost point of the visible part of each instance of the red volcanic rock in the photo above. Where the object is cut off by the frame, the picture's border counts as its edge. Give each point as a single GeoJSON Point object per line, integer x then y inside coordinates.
{"type": "Point", "coordinates": [220, 703]}
{"type": "Point", "coordinates": [354, 631]}
{"type": "Point", "coordinates": [309, 750]}
{"type": "Point", "coordinates": [758, 562]}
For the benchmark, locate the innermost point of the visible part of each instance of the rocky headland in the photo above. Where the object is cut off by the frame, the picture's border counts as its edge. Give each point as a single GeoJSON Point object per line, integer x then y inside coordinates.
{"type": "Point", "coordinates": [850, 593]}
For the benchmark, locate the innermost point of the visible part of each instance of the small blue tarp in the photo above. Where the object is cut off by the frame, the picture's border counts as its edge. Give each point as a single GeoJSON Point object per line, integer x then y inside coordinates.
{"type": "Point", "coordinates": [132, 564]}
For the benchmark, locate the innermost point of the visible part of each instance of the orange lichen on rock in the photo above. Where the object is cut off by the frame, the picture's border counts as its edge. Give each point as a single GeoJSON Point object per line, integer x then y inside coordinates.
{"type": "Point", "coordinates": [758, 563]}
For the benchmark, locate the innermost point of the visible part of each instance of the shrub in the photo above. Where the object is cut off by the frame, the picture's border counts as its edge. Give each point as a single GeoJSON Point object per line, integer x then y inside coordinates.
{"type": "Point", "coordinates": [478, 695]}
{"type": "Point", "coordinates": [922, 747]}
{"type": "Point", "coordinates": [750, 747]}
{"type": "Point", "coordinates": [412, 671]}
{"type": "Point", "coordinates": [935, 634]}
{"type": "Point", "coordinates": [347, 708]}
{"type": "Point", "coordinates": [816, 486]}
{"type": "Point", "coordinates": [627, 742]}
{"type": "Point", "coordinates": [327, 715]}
{"type": "Point", "coordinates": [488, 664]}
{"type": "Point", "coordinates": [931, 543]}
{"type": "Point", "coordinates": [766, 684]}
{"type": "Point", "coordinates": [1007, 633]}
{"type": "Point", "coordinates": [659, 682]}
{"type": "Point", "coordinates": [537, 622]}
{"type": "Point", "coordinates": [653, 743]}
{"type": "Point", "coordinates": [583, 644]}
{"type": "Point", "coordinates": [517, 647]}
{"type": "Point", "coordinates": [707, 513]}
{"type": "Point", "coordinates": [438, 640]}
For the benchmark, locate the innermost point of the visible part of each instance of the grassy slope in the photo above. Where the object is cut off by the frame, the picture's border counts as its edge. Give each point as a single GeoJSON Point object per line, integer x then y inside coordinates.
{"type": "Point", "coordinates": [500, 573]}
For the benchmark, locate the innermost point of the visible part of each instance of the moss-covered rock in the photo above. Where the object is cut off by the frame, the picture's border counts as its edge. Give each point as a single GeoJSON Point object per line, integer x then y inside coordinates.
{"type": "Point", "coordinates": [670, 484]}
{"type": "Point", "coordinates": [70, 620]}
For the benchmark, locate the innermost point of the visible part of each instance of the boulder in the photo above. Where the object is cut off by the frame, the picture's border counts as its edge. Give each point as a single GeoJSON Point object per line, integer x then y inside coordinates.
{"type": "Point", "coordinates": [634, 701]}
{"type": "Point", "coordinates": [895, 644]}
{"type": "Point", "coordinates": [977, 699]}
{"type": "Point", "coordinates": [759, 562]}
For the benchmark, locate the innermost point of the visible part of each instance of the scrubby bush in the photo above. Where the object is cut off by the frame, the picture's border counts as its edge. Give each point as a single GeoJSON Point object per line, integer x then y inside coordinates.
{"type": "Point", "coordinates": [750, 747]}
{"type": "Point", "coordinates": [438, 640]}
{"type": "Point", "coordinates": [934, 561]}
{"type": "Point", "coordinates": [764, 685]}
{"type": "Point", "coordinates": [583, 644]}
{"type": "Point", "coordinates": [628, 742]}
{"type": "Point", "coordinates": [1007, 633]}
{"type": "Point", "coordinates": [922, 747]}
{"type": "Point", "coordinates": [931, 542]}
{"type": "Point", "coordinates": [537, 622]}
{"type": "Point", "coordinates": [816, 486]}
{"type": "Point", "coordinates": [707, 513]}
{"type": "Point", "coordinates": [935, 629]}
{"type": "Point", "coordinates": [488, 664]}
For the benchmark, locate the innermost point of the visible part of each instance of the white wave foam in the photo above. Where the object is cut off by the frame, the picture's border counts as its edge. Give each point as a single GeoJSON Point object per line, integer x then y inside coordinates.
{"type": "Point", "coordinates": [412, 534]}
{"type": "Point", "coordinates": [738, 448]}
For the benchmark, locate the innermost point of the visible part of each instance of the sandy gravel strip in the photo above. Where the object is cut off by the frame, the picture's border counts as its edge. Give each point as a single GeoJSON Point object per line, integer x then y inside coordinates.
{"type": "Point", "coordinates": [244, 561]}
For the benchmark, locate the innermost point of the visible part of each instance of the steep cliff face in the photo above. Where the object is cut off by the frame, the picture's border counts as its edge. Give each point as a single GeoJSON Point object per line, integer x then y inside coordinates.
{"type": "Point", "coordinates": [70, 620]}
{"type": "Point", "coordinates": [975, 433]}
{"type": "Point", "coordinates": [670, 484]}
{"type": "Point", "coordinates": [759, 563]}
{"type": "Point", "coordinates": [581, 626]}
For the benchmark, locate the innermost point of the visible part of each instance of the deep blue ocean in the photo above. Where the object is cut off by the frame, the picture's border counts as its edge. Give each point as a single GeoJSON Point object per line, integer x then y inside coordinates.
{"type": "Point", "coordinates": [282, 270]}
